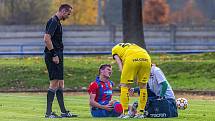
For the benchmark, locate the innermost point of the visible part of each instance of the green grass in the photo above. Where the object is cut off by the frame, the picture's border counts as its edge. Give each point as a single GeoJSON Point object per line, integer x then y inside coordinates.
{"type": "Point", "coordinates": [184, 72]}
{"type": "Point", "coordinates": [31, 107]}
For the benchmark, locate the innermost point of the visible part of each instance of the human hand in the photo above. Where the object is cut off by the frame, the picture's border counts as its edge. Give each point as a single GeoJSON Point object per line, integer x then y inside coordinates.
{"type": "Point", "coordinates": [131, 91]}
{"type": "Point", "coordinates": [108, 107]}
{"type": "Point", "coordinates": [55, 59]}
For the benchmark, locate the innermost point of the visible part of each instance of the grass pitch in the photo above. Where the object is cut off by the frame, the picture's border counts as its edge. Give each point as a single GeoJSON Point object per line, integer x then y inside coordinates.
{"type": "Point", "coordinates": [31, 107]}
{"type": "Point", "coordinates": [183, 72]}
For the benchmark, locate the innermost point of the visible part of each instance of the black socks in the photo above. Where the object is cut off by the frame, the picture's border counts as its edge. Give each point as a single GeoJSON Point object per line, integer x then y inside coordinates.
{"type": "Point", "coordinates": [59, 94]}
{"type": "Point", "coordinates": [50, 98]}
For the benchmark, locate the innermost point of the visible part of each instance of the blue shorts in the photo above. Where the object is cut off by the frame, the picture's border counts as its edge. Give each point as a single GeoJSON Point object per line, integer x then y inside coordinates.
{"type": "Point", "coordinates": [103, 113]}
{"type": "Point", "coordinates": [97, 112]}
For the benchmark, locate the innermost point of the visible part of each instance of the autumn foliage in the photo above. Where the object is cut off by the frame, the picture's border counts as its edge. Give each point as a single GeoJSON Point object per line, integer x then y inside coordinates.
{"type": "Point", "coordinates": [84, 12]}
{"type": "Point", "coordinates": [156, 12]}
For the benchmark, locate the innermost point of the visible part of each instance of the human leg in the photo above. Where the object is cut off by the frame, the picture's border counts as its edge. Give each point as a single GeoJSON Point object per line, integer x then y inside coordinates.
{"type": "Point", "coordinates": [124, 98]}
{"type": "Point", "coordinates": [50, 97]}
{"type": "Point", "coordinates": [142, 97]}
{"type": "Point", "coordinates": [59, 95]}
{"type": "Point", "coordinates": [99, 112]}
{"type": "Point", "coordinates": [54, 72]}
{"type": "Point", "coordinates": [127, 78]}
{"type": "Point", "coordinates": [132, 109]}
{"type": "Point", "coordinates": [60, 98]}
{"type": "Point", "coordinates": [142, 79]}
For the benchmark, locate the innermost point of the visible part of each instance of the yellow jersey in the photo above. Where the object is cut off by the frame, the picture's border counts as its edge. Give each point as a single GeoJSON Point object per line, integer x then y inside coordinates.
{"type": "Point", "coordinates": [124, 50]}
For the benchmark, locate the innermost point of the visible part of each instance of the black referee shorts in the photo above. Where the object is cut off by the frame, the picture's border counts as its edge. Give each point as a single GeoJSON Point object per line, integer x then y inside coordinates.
{"type": "Point", "coordinates": [55, 70]}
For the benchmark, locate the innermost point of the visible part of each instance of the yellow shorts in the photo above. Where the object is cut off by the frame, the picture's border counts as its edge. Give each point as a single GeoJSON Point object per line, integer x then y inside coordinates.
{"type": "Point", "coordinates": [136, 66]}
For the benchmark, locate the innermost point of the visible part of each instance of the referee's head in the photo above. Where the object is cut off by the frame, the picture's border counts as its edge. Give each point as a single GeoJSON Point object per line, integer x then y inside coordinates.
{"type": "Point", "coordinates": [65, 10]}
{"type": "Point", "coordinates": [65, 7]}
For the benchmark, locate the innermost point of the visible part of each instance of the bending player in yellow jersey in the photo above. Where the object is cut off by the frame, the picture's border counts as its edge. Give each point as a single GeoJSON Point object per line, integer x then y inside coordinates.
{"type": "Point", "coordinates": [134, 64]}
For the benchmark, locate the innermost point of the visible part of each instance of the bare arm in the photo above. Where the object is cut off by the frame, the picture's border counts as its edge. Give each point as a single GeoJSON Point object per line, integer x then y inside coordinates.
{"type": "Point", "coordinates": [93, 103]}
{"type": "Point", "coordinates": [49, 45]}
{"type": "Point", "coordinates": [48, 42]}
{"type": "Point", "coordinates": [119, 62]}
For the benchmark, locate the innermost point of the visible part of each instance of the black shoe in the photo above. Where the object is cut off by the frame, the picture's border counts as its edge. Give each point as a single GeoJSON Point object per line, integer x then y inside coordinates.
{"type": "Point", "coordinates": [52, 115]}
{"type": "Point", "coordinates": [68, 115]}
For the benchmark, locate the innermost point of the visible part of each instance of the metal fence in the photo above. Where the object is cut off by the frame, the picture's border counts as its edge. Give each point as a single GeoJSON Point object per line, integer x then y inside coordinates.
{"type": "Point", "coordinates": [28, 40]}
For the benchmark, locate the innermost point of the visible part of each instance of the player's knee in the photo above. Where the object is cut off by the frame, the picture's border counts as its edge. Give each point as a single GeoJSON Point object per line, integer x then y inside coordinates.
{"type": "Point", "coordinates": [53, 84]}
{"type": "Point", "coordinates": [61, 84]}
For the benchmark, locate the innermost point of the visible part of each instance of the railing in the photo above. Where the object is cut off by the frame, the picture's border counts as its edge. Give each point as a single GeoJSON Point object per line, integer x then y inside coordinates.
{"type": "Point", "coordinates": [40, 47]}
{"type": "Point", "coordinates": [28, 40]}
{"type": "Point", "coordinates": [21, 49]}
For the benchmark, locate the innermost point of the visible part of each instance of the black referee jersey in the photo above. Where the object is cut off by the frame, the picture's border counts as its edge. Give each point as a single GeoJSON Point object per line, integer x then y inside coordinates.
{"type": "Point", "coordinates": [54, 28]}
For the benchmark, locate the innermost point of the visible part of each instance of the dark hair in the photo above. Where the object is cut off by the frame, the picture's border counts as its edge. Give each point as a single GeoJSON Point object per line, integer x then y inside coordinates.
{"type": "Point", "coordinates": [66, 7]}
{"type": "Point", "coordinates": [103, 66]}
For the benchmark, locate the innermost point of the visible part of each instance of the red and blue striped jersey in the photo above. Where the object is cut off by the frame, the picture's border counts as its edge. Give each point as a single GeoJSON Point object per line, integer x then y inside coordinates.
{"type": "Point", "coordinates": [103, 91]}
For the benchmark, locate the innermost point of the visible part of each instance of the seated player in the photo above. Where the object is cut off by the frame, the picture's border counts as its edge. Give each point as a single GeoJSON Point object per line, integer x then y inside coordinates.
{"type": "Point", "coordinates": [160, 95]}
{"type": "Point", "coordinates": [100, 92]}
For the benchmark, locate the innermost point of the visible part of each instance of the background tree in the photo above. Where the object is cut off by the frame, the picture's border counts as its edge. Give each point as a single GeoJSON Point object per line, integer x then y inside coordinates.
{"type": "Point", "coordinates": [23, 11]}
{"type": "Point", "coordinates": [84, 12]}
{"type": "Point", "coordinates": [132, 22]}
{"type": "Point", "coordinates": [156, 12]}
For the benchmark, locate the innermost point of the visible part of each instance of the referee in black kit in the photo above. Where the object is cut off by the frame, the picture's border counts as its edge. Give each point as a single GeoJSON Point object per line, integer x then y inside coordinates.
{"type": "Point", "coordinates": [54, 61]}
